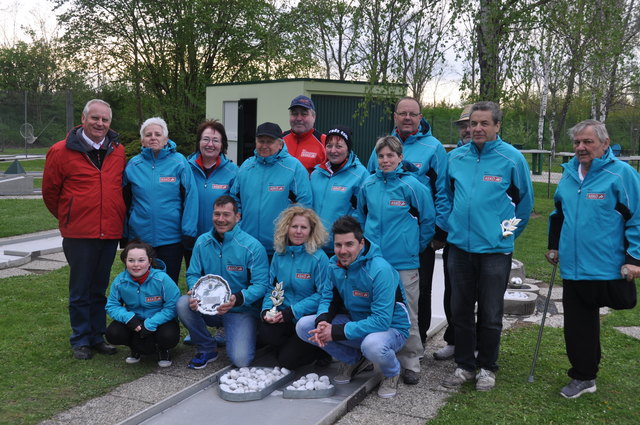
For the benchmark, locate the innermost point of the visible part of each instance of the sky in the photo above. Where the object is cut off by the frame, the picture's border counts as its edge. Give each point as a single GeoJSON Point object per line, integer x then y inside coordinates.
{"type": "Point", "coordinates": [16, 14]}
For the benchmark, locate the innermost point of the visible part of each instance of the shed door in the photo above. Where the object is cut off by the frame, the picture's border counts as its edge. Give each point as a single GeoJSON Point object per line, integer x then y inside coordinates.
{"type": "Point", "coordinates": [334, 110]}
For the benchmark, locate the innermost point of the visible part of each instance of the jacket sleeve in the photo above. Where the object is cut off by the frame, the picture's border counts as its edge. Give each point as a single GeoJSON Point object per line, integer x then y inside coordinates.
{"type": "Point", "coordinates": [235, 189]}
{"type": "Point", "coordinates": [385, 282]}
{"type": "Point", "coordinates": [52, 181]}
{"type": "Point", "coordinates": [372, 165]}
{"type": "Point", "coordinates": [170, 295]}
{"type": "Point", "coordinates": [309, 305]}
{"type": "Point", "coordinates": [190, 207]}
{"type": "Point", "coordinates": [424, 202]}
{"type": "Point", "coordinates": [522, 180]}
{"type": "Point", "coordinates": [631, 200]}
{"type": "Point", "coordinates": [114, 307]}
{"type": "Point", "coordinates": [361, 210]}
{"type": "Point", "coordinates": [356, 194]}
{"type": "Point", "coordinates": [302, 187]}
{"type": "Point", "coordinates": [258, 266]}
{"type": "Point", "coordinates": [196, 265]}
{"type": "Point", "coordinates": [438, 191]}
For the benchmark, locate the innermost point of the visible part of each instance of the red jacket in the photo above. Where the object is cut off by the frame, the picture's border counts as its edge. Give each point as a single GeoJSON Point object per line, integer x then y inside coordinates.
{"type": "Point", "coordinates": [308, 148]}
{"type": "Point", "coordinates": [87, 201]}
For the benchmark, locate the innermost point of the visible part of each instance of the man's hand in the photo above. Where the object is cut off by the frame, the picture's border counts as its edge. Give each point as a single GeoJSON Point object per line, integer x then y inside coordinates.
{"type": "Point", "coordinates": [436, 245]}
{"type": "Point", "coordinates": [193, 303]}
{"type": "Point", "coordinates": [321, 334]}
{"type": "Point", "coordinates": [552, 256]}
{"type": "Point", "coordinates": [223, 308]}
{"type": "Point", "coordinates": [630, 272]}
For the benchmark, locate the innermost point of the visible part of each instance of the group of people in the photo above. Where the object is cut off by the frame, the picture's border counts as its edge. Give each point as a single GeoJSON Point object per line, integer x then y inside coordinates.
{"type": "Point", "coordinates": [352, 247]}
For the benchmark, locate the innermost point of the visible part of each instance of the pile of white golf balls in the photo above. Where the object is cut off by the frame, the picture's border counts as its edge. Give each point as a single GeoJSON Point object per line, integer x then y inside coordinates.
{"type": "Point", "coordinates": [310, 382]}
{"type": "Point", "coordinates": [246, 380]}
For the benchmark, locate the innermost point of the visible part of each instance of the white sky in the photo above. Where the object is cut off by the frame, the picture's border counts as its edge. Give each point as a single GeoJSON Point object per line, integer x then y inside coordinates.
{"type": "Point", "coordinates": [38, 14]}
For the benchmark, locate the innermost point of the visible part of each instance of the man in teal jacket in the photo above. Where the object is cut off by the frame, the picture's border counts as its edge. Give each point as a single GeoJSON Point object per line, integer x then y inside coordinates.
{"type": "Point", "coordinates": [363, 312]}
{"type": "Point", "coordinates": [594, 233]}
{"type": "Point", "coordinates": [231, 253]}
{"type": "Point", "coordinates": [490, 188]}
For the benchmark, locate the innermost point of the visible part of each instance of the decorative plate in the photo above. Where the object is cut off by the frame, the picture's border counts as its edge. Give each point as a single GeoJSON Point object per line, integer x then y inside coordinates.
{"type": "Point", "coordinates": [211, 290]}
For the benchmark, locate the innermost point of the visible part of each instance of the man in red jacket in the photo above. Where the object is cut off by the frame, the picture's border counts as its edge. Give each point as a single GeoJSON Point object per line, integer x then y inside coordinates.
{"type": "Point", "coordinates": [82, 187]}
{"type": "Point", "coordinates": [303, 142]}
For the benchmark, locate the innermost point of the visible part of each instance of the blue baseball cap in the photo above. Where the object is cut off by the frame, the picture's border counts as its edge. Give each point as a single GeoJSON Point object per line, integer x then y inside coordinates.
{"type": "Point", "coordinates": [303, 101]}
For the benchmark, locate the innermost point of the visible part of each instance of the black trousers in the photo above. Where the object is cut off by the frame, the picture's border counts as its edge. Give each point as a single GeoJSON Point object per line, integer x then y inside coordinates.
{"type": "Point", "coordinates": [581, 301]}
{"type": "Point", "coordinates": [165, 337]}
{"type": "Point", "coordinates": [291, 351]}
{"type": "Point", "coordinates": [427, 263]}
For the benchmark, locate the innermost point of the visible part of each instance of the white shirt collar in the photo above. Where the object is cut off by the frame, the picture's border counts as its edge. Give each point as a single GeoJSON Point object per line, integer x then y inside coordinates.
{"type": "Point", "coordinates": [91, 142]}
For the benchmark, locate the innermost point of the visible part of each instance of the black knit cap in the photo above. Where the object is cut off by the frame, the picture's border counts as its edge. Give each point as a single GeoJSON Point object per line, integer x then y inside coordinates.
{"type": "Point", "coordinates": [341, 131]}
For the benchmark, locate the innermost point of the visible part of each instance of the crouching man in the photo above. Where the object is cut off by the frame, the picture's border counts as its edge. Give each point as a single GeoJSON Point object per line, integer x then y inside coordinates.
{"type": "Point", "coordinates": [362, 316]}
{"type": "Point", "coordinates": [229, 252]}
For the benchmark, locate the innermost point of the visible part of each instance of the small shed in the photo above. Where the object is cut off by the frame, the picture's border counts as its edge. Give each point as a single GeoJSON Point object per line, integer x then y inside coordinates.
{"type": "Point", "coordinates": [242, 106]}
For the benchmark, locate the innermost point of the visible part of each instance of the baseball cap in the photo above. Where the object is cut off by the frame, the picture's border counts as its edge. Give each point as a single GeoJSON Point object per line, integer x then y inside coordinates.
{"type": "Point", "coordinates": [269, 129]}
{"type": "Point", "coordinates": [303, 101]}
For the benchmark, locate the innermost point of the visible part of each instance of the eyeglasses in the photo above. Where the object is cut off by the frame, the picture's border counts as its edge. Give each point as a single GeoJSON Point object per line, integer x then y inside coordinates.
{"type": "Point", "coordinates": [407, 114]}
{"type": "Point", "coordinates": [207, 140]}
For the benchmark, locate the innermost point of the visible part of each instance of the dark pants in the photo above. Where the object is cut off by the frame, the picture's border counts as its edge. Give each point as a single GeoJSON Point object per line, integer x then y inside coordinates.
{"type": "Point", "coordinates": [427, 263]}
{"type": "Point", "coordinates": [291, 351]}
{"type": "Point", "coordinates": [90, 262]}
{"type": "Point", "coordinates": [165, 337]}
{"type": "Point", "coordinates": [478, 278]}
{"type": "Point", "coordinates": [581, 301]}
{"type": "Point", "coordinates": [172, 257]}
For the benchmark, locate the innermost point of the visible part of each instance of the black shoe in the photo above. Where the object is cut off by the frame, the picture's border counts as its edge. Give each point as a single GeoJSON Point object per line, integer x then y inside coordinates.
{"type": "Point", "coordinates": [104, 348]}
{"type": "Point", "coordinates": [82, 352]}
{"type": "Point", "coordinates": [410, 377]}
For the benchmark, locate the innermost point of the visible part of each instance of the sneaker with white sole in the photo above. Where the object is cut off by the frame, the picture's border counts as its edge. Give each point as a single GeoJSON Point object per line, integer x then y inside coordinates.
{"type": "Point", "coordinates": [388, 387]}
{"type": "Point", "coordinates": [458, 377]}
{"type": "Point", "coordinates": [200, 360]}
{"type": "Point", "coordinates": [164, 358]}
{"type": "Point", "coordinates": [445, 353]}
{"type": "Point", "coordinates": [347, 371]}
{"type": "Point", "coordinates": [134, 357]}
{"type": "Point", "coordinates": [576, 388]}
{"type": "Point", "coordinates": [485, 380]}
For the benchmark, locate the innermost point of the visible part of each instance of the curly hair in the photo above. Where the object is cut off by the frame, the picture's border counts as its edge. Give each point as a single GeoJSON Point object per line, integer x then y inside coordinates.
{"type": "Point", "coordinates": [317, 236]}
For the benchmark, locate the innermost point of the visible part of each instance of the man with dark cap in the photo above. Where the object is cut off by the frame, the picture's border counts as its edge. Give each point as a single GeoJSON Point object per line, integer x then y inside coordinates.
{"type": "Point", "coordinates": [336, 182]}
{"type": "Point", "coordinates": [268, 183]}
{"type": "Point", "coordinates": [303, 141]}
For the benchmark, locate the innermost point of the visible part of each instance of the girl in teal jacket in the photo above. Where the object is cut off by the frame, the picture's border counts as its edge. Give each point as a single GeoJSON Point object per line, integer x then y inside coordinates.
{"type": "Point", "coordinates": [142, 304]}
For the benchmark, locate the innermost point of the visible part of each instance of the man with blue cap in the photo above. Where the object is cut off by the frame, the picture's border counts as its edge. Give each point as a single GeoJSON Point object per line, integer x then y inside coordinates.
{"type": "Point", "coordinates": [304, 142]}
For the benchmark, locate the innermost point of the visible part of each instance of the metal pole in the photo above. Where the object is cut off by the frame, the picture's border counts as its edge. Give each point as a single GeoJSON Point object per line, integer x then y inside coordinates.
{"type": "Point", "coordinates": [544, 316]}
{"type": "Point", "coordinates": [25, 124]}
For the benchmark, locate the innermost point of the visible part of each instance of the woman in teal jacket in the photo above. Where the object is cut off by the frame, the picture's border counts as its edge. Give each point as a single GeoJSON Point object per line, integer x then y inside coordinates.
{"type": "Point", "coordinates": [213, 172]}
{"type": "Point", "coordinates": [399, 216]}
{"type": "Point", "coordinates": [299, 268]}
{"type": "Point", "coordinates": [142, 304]}
{"type": "Point", "coordinates": [162, 199]}
{"type": "Point", "coordinates": [336, 183]}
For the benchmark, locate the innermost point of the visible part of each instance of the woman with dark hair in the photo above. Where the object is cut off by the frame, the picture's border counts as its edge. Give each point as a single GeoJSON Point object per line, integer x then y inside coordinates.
{"type": "Point", "coordinates": [142, 304]}
{"type": "Point", "coordinates": [300, 265]}
{"type": "Point", "coordinates": [213, 172]}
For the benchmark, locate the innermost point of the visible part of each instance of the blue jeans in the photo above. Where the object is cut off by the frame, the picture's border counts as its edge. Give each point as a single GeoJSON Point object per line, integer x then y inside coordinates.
{"type": "Point", "coordinates": [90, 262]}
{"type": "Point", "coordinates": [478, 278]}
{"type": "Point", "coordinates": [240, 331]}
{"type": "Point", "coordinates": [379, 347]}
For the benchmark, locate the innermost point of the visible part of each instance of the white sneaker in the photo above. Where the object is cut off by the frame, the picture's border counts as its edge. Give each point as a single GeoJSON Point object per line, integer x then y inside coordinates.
{"type": "Point", "coordinates": [485, 380]}
{"type": "Point", "coordinates": [458, 377]}
{"type": "Point", "coordinates": [445, 353]}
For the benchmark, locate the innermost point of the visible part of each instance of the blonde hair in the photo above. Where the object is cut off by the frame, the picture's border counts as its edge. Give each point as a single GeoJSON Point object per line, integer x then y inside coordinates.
{"type": "Point", "coordinates": [317, 236]}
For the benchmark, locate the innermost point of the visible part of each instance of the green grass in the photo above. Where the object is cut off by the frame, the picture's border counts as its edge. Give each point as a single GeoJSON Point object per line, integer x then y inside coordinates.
{"type": "Point", "coordinates": [20, 151]}
{"type": "Point", "coordinates": [20, 216]}
{"type": "Point", "coordinates": [532, 243]}
{"type": "Point", "coordinates": [28, 165]}
{"type": "Point", "coordinates": [516, 401]}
